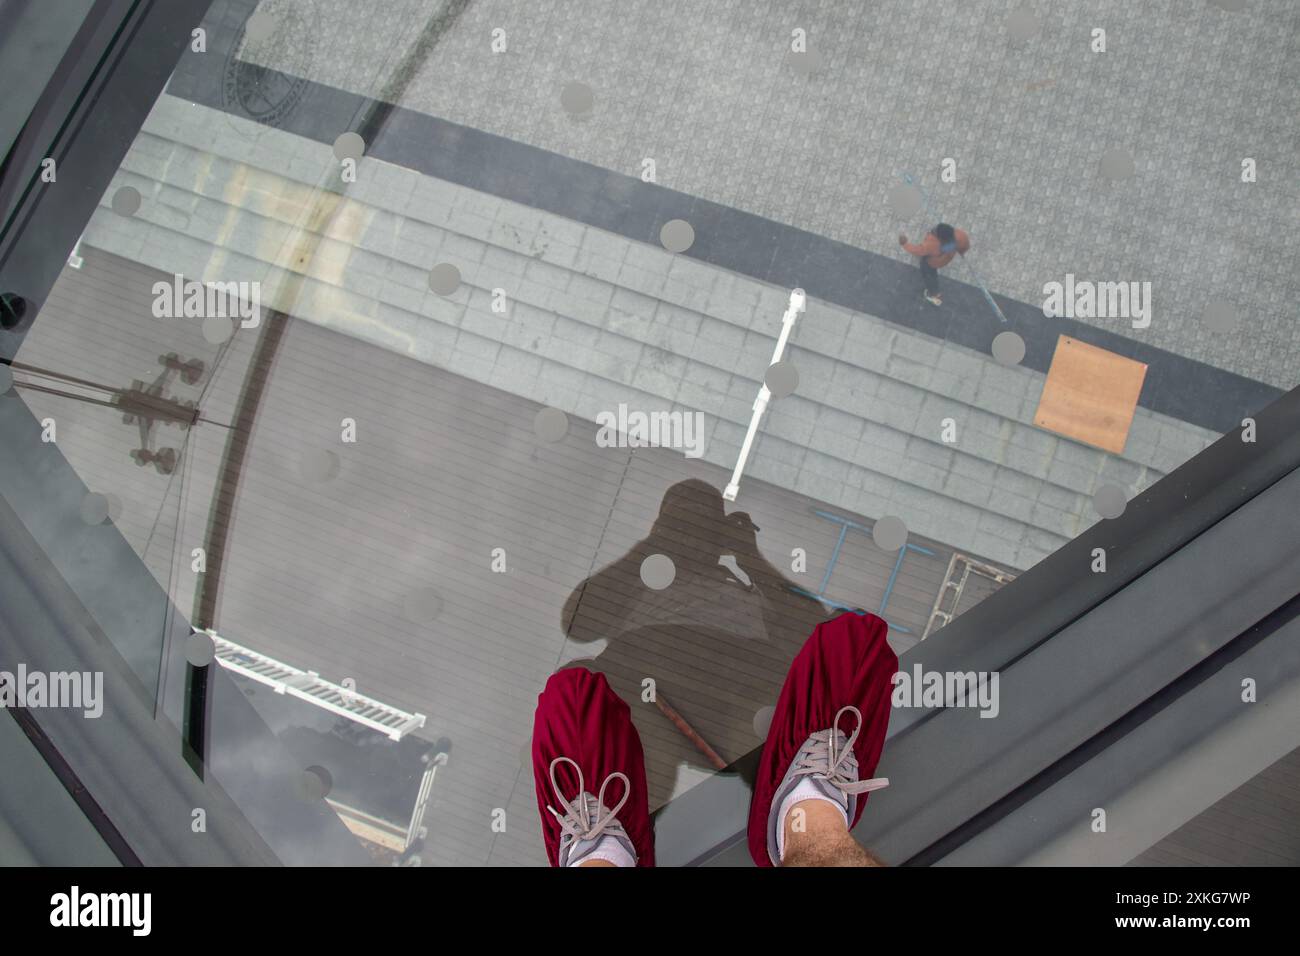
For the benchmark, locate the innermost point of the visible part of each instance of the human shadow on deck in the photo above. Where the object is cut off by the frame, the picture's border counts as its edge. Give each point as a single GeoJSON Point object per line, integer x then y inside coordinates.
{"type": "Point", "coordinates": [717, 641]}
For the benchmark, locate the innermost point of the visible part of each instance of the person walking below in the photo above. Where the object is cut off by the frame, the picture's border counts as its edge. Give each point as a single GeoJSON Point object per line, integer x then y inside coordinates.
{"type": "Point", "coordinates": [936, 250]}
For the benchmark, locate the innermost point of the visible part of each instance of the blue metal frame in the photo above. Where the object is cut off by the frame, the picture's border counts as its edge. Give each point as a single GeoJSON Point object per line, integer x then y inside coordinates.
{"type": "Point", "coordinates": [845, 524]}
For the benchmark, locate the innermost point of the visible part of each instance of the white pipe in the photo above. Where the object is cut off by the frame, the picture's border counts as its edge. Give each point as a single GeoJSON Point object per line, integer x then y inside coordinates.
{"type": "Point", "coordinates": [797, 302]}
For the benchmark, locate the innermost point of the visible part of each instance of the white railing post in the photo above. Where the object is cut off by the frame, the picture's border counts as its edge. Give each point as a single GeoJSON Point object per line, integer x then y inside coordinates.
{"type": "Point", "coordinates": [797, 302]}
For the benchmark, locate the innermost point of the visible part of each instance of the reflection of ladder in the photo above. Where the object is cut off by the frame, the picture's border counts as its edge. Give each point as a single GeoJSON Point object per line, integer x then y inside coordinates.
{"type": "Point", "coordinates": [415, 830]}
{"type": "Point", "coordinates": [308, 685]}
{"type": "Point", "coordinates": [389, 835]}
{"type": "Point", "coordinates": [960, 568]}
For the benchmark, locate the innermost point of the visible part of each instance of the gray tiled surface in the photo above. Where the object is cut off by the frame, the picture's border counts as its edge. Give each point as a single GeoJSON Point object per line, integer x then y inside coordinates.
{"type": "Point", "coordinates": [596, 320]}
{"type": "Point", "coordinates": [706, 89]}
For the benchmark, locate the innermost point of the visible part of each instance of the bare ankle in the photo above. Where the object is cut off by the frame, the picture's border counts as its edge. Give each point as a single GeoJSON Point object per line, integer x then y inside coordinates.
{"type": "Point", "coordinates": [816, 835]}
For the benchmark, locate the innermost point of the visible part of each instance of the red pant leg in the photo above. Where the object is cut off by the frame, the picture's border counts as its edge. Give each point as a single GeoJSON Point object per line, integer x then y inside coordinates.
{"type": "Point", "coordinates": [845, 661]}
{"type": "Point", "coordinates": [580, 717]}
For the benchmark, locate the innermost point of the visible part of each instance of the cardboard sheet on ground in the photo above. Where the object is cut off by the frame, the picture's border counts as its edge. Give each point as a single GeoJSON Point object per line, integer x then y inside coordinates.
{"type": "Point", "coordinates": [1090, 394]}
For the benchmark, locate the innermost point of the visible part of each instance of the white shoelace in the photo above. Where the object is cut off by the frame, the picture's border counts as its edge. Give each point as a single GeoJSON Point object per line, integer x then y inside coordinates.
{"type": "Point", "coordinates": [838, 765]}
{"type": "Point", "coordinates": [580, 820]}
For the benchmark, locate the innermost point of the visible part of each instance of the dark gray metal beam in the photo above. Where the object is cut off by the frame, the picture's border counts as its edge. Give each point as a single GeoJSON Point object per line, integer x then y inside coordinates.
{"type": "Point", "coordinates": [76, 597]}
{"type": "Point", "coordinates": [129, 762]}
{"type": "Point", "coordinates": [1067, 691]}
{"type": "Point", "coordinates": [1194, 562]}
{"type": "Point", "coordinates": [41, 822]}
{"type": "Point", "coordinates": [1160, 770]}
{"type": "Point", "coordinates": [86, 120]}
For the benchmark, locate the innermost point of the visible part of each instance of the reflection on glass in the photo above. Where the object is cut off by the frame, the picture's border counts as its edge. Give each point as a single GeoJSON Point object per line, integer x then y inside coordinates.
{"type": "Point", "coordinates": [331, 454]}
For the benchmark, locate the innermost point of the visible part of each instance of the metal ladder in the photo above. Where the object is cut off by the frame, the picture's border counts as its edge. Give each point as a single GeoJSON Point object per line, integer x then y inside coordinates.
{"type": "Point", "coordinates": [954, 583]}
{"type": "Point", "coordinates": [310, 686]}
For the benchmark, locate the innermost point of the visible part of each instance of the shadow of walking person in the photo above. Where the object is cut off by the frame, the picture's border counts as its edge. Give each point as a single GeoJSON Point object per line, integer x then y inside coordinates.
{"type": "Point", "coordinates": [711, 646]}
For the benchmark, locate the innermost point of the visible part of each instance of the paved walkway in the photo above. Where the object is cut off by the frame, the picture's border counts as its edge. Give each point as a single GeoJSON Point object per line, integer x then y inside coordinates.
{"type": "Point", "coordinates": [1184, 92]}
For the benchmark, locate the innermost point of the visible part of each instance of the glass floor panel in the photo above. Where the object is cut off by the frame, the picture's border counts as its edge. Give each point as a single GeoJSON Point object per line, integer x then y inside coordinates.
{"type": "Point", "coordinates": [413, 353]}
